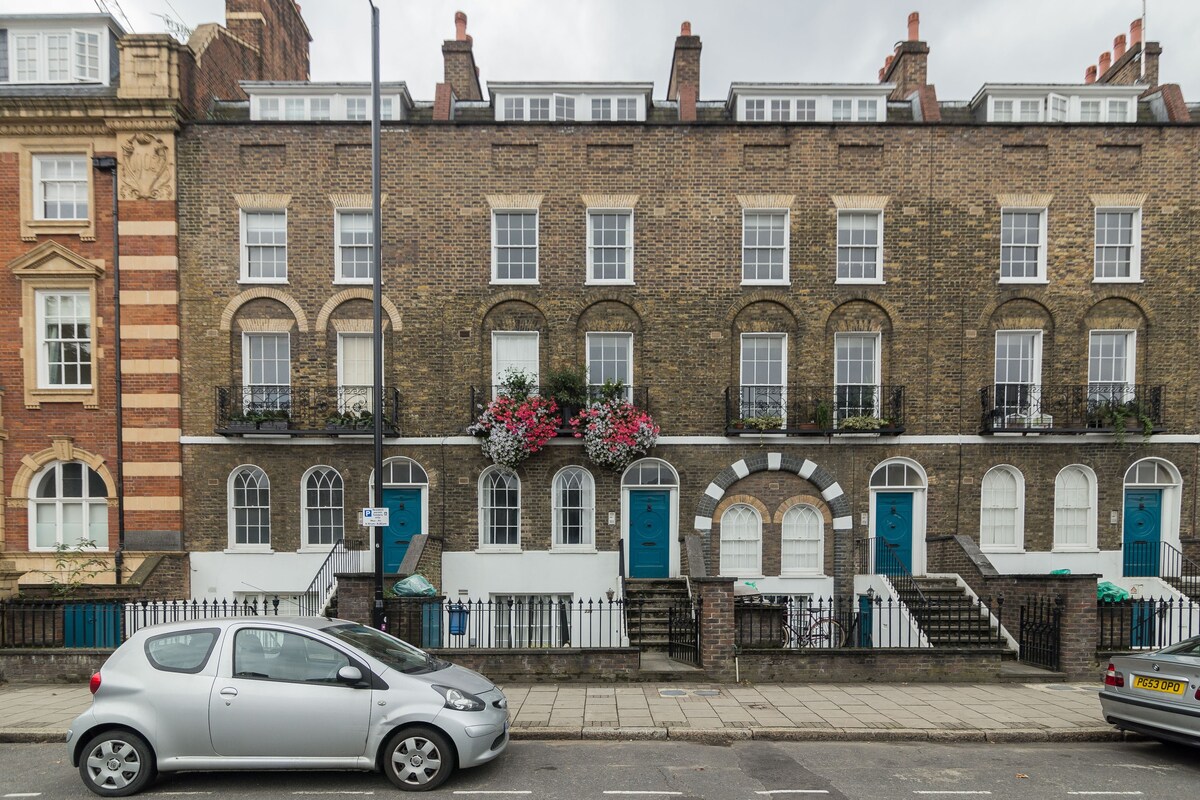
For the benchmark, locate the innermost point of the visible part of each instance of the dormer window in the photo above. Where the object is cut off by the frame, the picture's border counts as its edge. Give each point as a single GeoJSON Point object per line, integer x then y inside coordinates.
{"type": "Point", "coordinates": [68, 55]}
{"type": "Point", "coordinates": [1024, 103]}
{"type": "Point", "coordinates": [539, 109]}
{"type": "Point", "coordinates": [564, 108]}
{"type": "Point", "coordinates": [526, 102]}
{"type": "Point", "coordinates": [756, 110]}
{"type": "Point", "coordinates": [809, 102]}
{"type": "Point", "coordinates": [356, 108]}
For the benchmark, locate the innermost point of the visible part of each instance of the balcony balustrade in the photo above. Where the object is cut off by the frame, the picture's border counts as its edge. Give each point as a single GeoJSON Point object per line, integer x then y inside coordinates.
{"type": "Point", "coordinates": [1089, 408]}
{"type": "Point", "coordinates": [814, 410]}
{"type": "Point", "coordinates": [303, 411]}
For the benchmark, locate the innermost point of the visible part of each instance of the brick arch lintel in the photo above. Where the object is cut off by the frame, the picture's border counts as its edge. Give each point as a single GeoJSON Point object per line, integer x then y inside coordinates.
{"type": "Point", "coordinates": [1128, 294]}
{"type": "Point", "coordinates": [33, 463]}
{"type": "Point", "coordinates": [1052, 308]}
{"type": "Point", "coordinates": [831, 492]}
{"type": "Point", "coordinates": [346, 295]}
{"type": "Point", "coordinates": [888, 308]}
{"type": "Point", "coordinates": [604, 295]}
{"type": "Point", "coordinates": [778, 297]}
{"type": "Point", "coordinates": [240, 300]}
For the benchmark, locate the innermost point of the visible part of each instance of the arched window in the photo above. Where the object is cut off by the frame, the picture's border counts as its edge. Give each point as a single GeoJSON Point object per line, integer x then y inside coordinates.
{"type": "Point", "coordinates": [499, 509]}
{"type": "Point", "coordinates": [323, 507]}
{"type": "Point", "coordinates": [897, 475]}
{"type": "Point", "coordinates": [803, 541]}
{"type": "Point", "coordinates": [1075, 509]}
{"type": "Point", "coordinates": [1002, 510]}
{"type": "Point", "coordinates": [574, 508]}
{"type": "Point", "coordinates": [650, 472]}
{"type": "Point", "coordinates": [741, 541]}
{"type": "Point", "coordinates": [1151, 472]}
{"type": "Point", "coordinates": [249, 509]}
{"type": "Point", "coordinates": [403, 472]}
{"type": "Point", "coordinates": [68, 506]}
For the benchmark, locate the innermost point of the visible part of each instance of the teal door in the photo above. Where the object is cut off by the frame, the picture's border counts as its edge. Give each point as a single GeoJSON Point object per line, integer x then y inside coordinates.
{"type": "Point", "coordinates": [893, 532]}
{"type": "Point", "coordinates": [649, 533]}
{"type": "Point", "coordinates": [404, 522]}
{"type": "Point", "coordinates": [1143, 532]}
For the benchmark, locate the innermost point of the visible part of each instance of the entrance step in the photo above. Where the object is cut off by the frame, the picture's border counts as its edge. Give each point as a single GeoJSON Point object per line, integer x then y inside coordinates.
{"type": "Point", "coordinates": [1189, 586]}
{"type": "Point", "coordinates": [950, 617]}
{"type": "Point", "coordinates": [648, 605]}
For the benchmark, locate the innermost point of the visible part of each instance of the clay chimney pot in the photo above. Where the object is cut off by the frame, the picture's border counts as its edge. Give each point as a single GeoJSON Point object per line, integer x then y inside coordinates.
{"type": "Point", "coordinates": [1135, 32]}
{"type": "Point", "coordinates": [1105, 62]}
{"type": "Point", "coordinates": [460, 26]}
{"type": "Point", "coordinates": [881, 72]}
{"type": "Point", "coordinates": [1090, 75]}
{"type": "Point", "coordinates": [914, 24]}
{"type": "Point", "coordinates": [887, 62]}
{"type": "Point", "coordinates": [1118, 47]}
{"type": "Point", "coordinates": [685, 29]}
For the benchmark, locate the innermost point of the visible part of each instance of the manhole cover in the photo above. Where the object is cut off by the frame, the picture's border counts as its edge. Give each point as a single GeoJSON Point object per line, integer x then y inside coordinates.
{"type": "Point", "coordinates": [672, 693]}
{"type": "Point", "coordinates": [707, 692]}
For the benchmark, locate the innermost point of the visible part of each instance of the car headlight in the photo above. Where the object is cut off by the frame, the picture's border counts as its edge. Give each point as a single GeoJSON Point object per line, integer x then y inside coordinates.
{"type": "Point", "coordinates": [459, 700]}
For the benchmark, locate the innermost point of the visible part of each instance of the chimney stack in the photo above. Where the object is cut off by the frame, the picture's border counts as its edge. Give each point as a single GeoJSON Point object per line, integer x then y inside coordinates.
{"type": "Point", "coordinates": [907, 67]}
{"type": "Point", "coordinates": [1135, 32]}
{"type": "Point", "coordinates": [684, 84]}
{"type": "Point", "coordinates": [1090, 75]}
{"type": "Point", "coordinates": [1118, 47]}
{"type": "Point", "coordinates": [1105, 62]}
{"type": "Point", "coordinates": [461, 75]}
{"type": "Point", "coordinates": [914, 26]}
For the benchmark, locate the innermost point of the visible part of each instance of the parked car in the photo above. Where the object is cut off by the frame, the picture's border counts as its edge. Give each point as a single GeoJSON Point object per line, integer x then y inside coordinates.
{"type": "Point", "coordinates": [256, 693]}
{"type": "Point", "coordinates": [1156, 694]}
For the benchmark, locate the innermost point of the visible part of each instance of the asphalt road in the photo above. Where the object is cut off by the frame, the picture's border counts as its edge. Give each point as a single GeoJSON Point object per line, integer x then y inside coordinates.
{"type": "Point", "coordinates": [669, 770]}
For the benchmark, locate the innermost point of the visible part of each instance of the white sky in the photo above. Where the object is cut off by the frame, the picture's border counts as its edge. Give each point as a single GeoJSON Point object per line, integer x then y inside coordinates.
{"type": "Point", "coordinates": [971, 41]}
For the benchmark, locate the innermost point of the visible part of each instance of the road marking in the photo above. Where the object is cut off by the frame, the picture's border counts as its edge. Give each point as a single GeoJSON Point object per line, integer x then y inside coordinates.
{"type": "Point", "coordinates": [1124, 794]}
{"type": "Point", "coordinates": [481, 791]}
{"type": "Point", "coordinates": [182, 793]}
{"type": "Point", "coordinates": [794, 791]}
{"type": "Point", "coordinates": [948, 791]}
{"type": "Point", "coordinates": [23, 794]}
{"type": "Point", "coordinates": [645, 793]}
{"type": "Point", "coordinates": [305, 793]}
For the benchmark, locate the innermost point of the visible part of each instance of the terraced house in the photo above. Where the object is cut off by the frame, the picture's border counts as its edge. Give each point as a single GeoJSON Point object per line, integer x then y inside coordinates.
{"type": "Point", "coordinates": [89, 379]}
{"type": "Point", "coordinates": [864, 319]}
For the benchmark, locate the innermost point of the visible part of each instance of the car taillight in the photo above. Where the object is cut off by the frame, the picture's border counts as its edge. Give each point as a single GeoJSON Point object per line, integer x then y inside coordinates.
{"type": "Point", "coordinates": [94, 683]}
{"type": "Point", "coordinates": [1113, 678]}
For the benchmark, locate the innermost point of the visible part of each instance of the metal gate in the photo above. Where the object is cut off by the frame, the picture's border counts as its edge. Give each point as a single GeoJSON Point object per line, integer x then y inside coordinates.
{"type": "Point", "coordinates": [1041, 632]}
{"type": "Point", "coordinates": [683, 632]}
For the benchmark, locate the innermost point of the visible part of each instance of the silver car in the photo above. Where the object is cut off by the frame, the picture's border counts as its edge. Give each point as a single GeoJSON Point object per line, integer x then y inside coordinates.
{"type": "Point", "coordinates": [1156, 694]}
{"type": "Point", "coordinates": [258, 693]}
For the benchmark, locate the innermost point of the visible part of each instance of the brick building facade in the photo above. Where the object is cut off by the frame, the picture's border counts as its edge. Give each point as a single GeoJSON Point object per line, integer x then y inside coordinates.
{"type": "Point", "coordinates": [950, 313]}
{"type": "Point", "coordinates": [74, 88]}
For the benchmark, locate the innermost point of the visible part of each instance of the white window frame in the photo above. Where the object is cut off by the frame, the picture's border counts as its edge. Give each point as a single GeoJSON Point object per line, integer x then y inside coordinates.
{"type": "Point", "coordinates": [1034, 405]}
{"type": "Point", "coordinates": [568, 103]}
{"type": "Point", "coordinates": [247, 391]}
{"type": "Point", "coordinates": [746, 109]}
{"type": "Point", "coordinates": [785, 280]}
{"type": "Point", "coordinates": [788, 524]}
{"type": "Point", "coordinates": [587, 512]}
{"type": "Point", "coordinates": [245, 247]}
{"type": "Point", "coordinates": [1018, 543]}
{"type": "Point", "coordinates": [76, 71]}
{"type": "Point", "coordinates": [366, 101]}
{"type": "Point", "coordinates": [485, 522]}
{"type": "Point", "coordinates": [39, 186]}
{"type": "Point", "coordinates": [1043, 227]}
{"type": "Point", "coordinates": [86, 500]}
{"type": "Point", "coordinates": [338, 277]}
{"type": "Point", "coordinates": [878, 279]}
{"type": "Point", "coordinates": [1061, 113]}
{"type": "Point", "coordinates": [233, 544]}
{"type": "Point", "coordinates": [588, 362]}
{"type": "Point", "coordinates": [537, 221]}
{"type": "Point", "coordinates": [728, 569]}
{"type": "Point", "coordinates": [367, 389]}
{"type": "Point", "coordinates": [628, 279]}
{"type": "Point", "coordinates": [1090, 544]}
{"type": "Point", "coordinates": [534, 374]}
{"type": "Point", "coordinates": [877, 338]}
{"type": "Point", "coordinates": [1099, 394]}
{"type": "Point", "coordinates": [514, 108]}
{"type": "Point", "coordinates": [43, 355]}
{"type": "Point", "coordinates": [1135, 249]}
{"type": "Point", "coordinates": [337, 512]}
{"type": "Point", "coordinates": [746, 402]}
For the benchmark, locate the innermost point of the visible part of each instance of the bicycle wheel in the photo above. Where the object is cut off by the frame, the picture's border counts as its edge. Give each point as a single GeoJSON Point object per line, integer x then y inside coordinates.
{"type": "Point", "coordinates": [825, 632]}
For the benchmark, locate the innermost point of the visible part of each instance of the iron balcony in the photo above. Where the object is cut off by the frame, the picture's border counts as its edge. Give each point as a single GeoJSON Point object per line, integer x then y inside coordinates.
{"type": "Point", "coordinates": [303, 411]}
{"type": "Point", "coordinates": [1089, 408]}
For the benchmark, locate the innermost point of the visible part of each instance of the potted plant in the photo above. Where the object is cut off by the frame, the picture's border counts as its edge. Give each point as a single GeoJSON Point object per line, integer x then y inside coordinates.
{"type": "Point", "coordinates": [242, 421]}
{"type": "Point", "coordinates": [276, 419]}
{"type": "Point", "coordinates": [567, 387]}
{"type": "Point", "coordinates": [516, 424]}
{"type": "Point", "coordinates": [765, 422]}
{"type": "Point", "coordinates": [615, 433]}
{"type": "Point", "coordinates": [738, 424]}
{"type": "Point", "coordinates": [350, 421]}
{"type": "Point", "coordinates": [860, 424]}
{"type": "Point", "coordinates": [822, 417]}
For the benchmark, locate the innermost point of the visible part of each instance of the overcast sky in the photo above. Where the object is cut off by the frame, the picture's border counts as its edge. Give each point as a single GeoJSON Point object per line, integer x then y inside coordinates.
{"type": "Point", "coordinates": [971, 41]}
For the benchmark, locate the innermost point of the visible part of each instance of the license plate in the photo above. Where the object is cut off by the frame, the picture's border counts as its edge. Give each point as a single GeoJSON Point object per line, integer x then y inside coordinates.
{"type": "Point", "coordinates": [1158, 684]}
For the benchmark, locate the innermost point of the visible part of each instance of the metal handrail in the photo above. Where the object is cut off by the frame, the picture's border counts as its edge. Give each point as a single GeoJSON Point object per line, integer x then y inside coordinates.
{"type": "Point", "coordinates": [808, 409]}
{"type": "Point", "coordinates": [1072, 408]}
{"type": "Point", "coordinates": [893, 568]}
{"type": "Point", "coordinates": [324, 583]}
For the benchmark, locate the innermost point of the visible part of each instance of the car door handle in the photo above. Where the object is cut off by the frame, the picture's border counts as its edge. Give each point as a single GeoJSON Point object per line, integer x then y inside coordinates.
{"type": "Point", "coordinates": [229, 691]}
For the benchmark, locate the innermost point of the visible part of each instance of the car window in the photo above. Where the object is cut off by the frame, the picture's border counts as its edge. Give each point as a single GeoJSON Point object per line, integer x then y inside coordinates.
{"type": "Point", "coordinates": [1189, 648]}
{"type": "Point", "coordinates": [187, 651]}
{"type": "Point", "coordinates": [396, 653]}
{"type": "Point", "coordinates": [285, 656]}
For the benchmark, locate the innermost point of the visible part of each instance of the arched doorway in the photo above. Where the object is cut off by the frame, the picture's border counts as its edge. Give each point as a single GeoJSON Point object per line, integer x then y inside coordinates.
{"type": "Point", "coordinates": [898, 487]}
{"type": "Point", "coordinates": [1150, 523]}
{"type": "Point", "coordinates": [406, 496]}
{"type": "Point", "coordinates": [650, 506]}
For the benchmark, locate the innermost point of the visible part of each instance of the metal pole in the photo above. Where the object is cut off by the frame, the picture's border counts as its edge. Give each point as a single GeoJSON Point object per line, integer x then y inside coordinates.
{"type": "Point", "coordinates": [377, 298]}
{"type": "Point", "coordinates": [109, 164]}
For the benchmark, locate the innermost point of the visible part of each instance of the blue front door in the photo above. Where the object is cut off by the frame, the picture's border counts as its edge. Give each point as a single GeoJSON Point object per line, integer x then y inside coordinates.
{"type": "Point", "coordinates": [404, 522]}
{"type": "Point", "coordinates": [893, 532]}
{"type": "Point", "coordinates": [1143, 532]}
{"type": "Point", "coordinates": [649, 533]}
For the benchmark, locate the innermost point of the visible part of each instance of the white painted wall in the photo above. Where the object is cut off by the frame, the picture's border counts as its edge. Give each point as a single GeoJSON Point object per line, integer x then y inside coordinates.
{"type": "Point", "coordinates": [219, 575]}
{"type": "Point", "coordinates": [584, 576]}
{"type": "Point", "coordinates": [892, 625]}
{"type": "Point", "coordinates": [1106, 562]}
{"type": "Point", "coordinates": [820, 587]}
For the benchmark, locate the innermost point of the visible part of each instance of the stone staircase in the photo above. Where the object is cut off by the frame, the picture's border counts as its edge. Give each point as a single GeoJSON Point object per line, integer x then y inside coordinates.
{"type": "Point", "coordinates": [949, 617]}
{"type": "Point", "coordinates": [648, 602]}
{"type": "Point", "coordinates": [1188, 585]}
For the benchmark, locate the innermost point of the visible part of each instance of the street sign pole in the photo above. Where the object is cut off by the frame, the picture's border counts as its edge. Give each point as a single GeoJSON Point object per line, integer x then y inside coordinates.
{"type": "Point", "coordinates": [377, 297]}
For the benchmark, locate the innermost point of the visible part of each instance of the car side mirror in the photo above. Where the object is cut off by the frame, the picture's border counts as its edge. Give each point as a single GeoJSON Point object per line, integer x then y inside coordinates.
{"type": "Point", "coordinates": [350, 675]}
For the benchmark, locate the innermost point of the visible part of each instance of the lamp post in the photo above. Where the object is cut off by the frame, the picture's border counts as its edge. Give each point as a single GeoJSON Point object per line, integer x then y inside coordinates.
{"type": "Point", "coordinates": [377, 315]}
{"type": "Point", "coordinates": [109, 164]}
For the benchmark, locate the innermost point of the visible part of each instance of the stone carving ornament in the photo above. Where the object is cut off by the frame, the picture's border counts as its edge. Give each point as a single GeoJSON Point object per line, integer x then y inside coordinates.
{"type": "Point", "coordinates": [146, 168]}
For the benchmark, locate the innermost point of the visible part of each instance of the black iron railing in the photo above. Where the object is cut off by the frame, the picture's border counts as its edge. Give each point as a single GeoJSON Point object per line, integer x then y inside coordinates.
{"type": "Point", "coordinates": [813, 410]}
{"type": "Point", "coordinates": [481, 396]}
{"type": "Point", "coordinates": [1090, 408]}
{"type": "Point", "coordinates": [1164, 560]}
{"type": "Point", "coordinates": [526, 622]}
{"type": "Point", "coordinates": [1146, 623]}
{"type": "Point", "coordinates": [683, 631]}
{"type": "Point", "coordinates": [876, 556]}
{"type": "Point", "coordinates": [1040, 638]}
{"type": "Point", "coordinates": [316, 598]}
{"type": "Point", "coordinates": [303, 410]}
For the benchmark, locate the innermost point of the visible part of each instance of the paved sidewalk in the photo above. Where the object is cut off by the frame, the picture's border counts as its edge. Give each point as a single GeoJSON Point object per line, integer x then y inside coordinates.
{"type": "Point", "coordinates": [719, 712]}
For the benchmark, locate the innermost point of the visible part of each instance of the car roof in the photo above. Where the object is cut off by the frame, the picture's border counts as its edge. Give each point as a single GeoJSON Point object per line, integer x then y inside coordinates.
{"type": "Point", "coordinates": [315, 623]}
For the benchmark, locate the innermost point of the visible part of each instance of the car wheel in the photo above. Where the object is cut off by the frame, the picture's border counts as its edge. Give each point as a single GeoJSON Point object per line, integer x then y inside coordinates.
{"type": "Point", "coordinates": [418, 759]}
{"type": "Point", "coordinates": [116, 764]}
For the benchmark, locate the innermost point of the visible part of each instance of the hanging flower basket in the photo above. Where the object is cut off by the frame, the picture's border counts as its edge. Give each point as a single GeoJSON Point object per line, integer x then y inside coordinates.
{"type": "Point", "coordinates": [615, 433]}
{"type": "Point", "coordinates": [512, 430]}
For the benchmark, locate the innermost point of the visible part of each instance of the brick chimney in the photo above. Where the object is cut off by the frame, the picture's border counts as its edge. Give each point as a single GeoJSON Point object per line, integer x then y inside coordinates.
{"type": "Point", "coordinates": [907, 67]}
{"type": "Point", "coordinates": [278, 34]}
{"type": "Point", "coordinates": [684, 85]}
{"type": "Point", "coordinates": [1125, 68]}
{"type": "Point", "coordinates": [1090, 75]}
{"type": "Point", "coordinates": [1118, 47]}
{"type": "Point", "coordinates": [460, 70]}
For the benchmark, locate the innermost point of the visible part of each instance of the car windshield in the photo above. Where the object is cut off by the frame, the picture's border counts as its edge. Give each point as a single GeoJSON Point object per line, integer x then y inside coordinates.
{"type": "Point", "coordinates": [1189, 648]}
{"type": "Point", "coordinates": [396, 653]}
